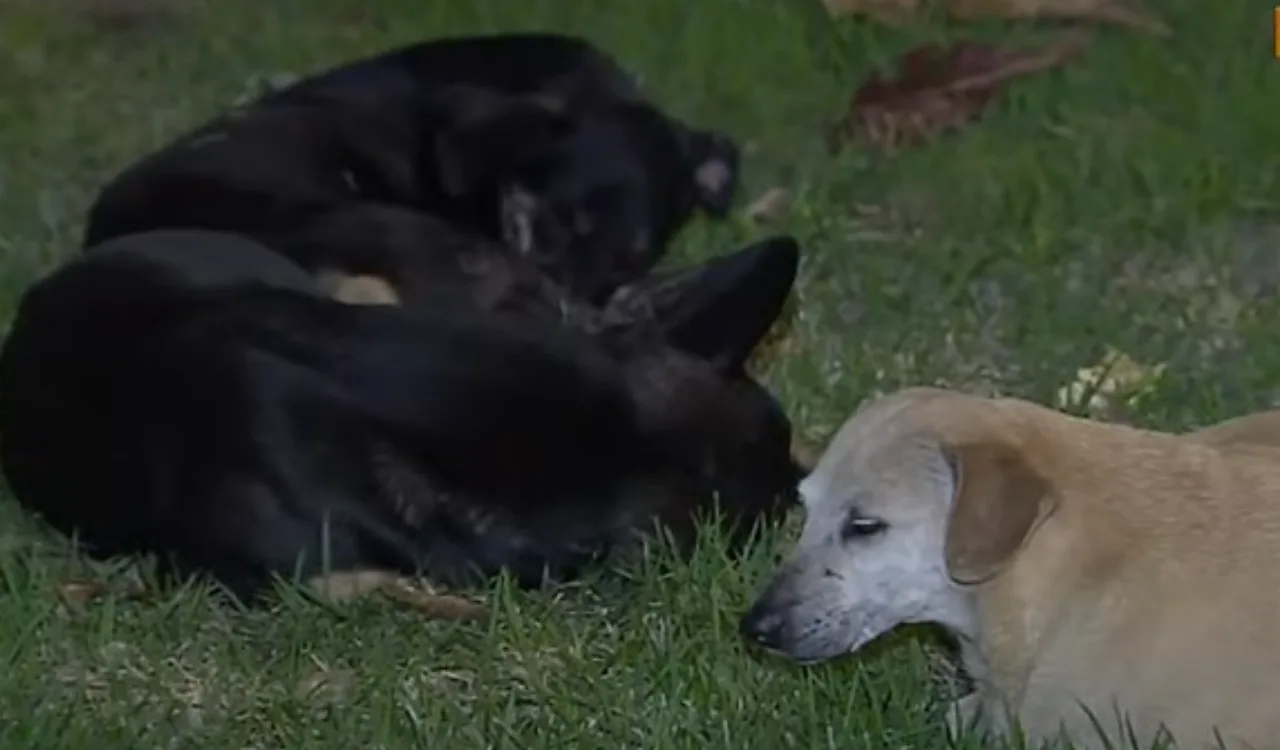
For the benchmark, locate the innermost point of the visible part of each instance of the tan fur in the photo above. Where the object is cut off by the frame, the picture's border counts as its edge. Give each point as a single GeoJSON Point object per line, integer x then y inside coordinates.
{"type": "Point", "coordinates": [1118, 567]}
{"type": "Point", "coordinates": [1261, 428]}
{"type": "Point", "coordinates": [998, 504]}
{"type": "Point", "coordinates": [358, 289]}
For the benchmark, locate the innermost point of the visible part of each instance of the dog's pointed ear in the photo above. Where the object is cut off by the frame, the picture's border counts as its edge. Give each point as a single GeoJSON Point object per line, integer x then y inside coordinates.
{"type": "Point", "coordinates": [486, 130]}
{"type": "Point", "coordinates": [720, 310]}
{"type": "Point", "coordinates": [714, 161]}
{"type": "Point", "coordinates": [999, 503]}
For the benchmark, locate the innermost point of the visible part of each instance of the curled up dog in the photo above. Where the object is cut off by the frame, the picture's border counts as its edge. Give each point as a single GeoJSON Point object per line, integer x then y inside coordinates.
{"type": "Point", "coordinates": [196, 396]}
{"type": "Point", "coordinates": [540, 141]}
{"type": "Point", "coordinates": [1104, 582]}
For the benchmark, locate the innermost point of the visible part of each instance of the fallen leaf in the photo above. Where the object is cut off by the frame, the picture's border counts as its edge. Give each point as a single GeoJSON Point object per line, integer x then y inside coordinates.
{"type": "Point", "coordinates": [900, 12]}
{"type": "Point", "coordinates": [939, 89]}
{"type": "Point", "coordinates": [888, 12]}
{"type": "Point", "coordinates": [1106, 11]}
{"type": "Point", "coordinates": [124, 15]}
{"type": "Point", "coordinates": [326, 685]}
{"type": "Point", "coordinates": [1115, 374]}
{"type": "Point", "coordinates": [433, 605]}
{"type": "Point", "coordinates": [350, 585]}
{"type": "Point", "coordinates": [771, 205]}
{"type": "Point", "coordinates": [83, 592]}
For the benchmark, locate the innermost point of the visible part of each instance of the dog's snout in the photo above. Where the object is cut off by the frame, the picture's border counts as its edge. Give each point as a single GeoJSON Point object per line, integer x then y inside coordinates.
{"type": "Point", "coordinates": [762, 626]}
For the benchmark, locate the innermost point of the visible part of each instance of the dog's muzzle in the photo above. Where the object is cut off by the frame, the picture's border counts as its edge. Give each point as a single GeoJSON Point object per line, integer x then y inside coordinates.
{"type": "Point", "coordinates": [762, 626]}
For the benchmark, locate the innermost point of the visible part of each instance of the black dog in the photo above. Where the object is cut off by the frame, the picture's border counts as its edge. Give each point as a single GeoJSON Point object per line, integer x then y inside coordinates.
{"type": "Point", "coordinates": [194, 395]}
{"type": "Point", "coordinates": [538, 140]}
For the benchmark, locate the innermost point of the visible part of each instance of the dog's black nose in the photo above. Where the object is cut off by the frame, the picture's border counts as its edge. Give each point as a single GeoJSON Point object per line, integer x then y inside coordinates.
{"type": "Point", "coordinates": [762, 626]}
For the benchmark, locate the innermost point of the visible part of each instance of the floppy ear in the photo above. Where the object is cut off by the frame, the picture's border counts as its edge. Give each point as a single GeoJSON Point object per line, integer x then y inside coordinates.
{"type": "Point", "coordinates": [713, 159]}
{"type": "Point", "coordinates": [999, 503]}
{"type": "Point", "coordinates": [487, 131]}
{"type": "Point", "coordinates": [720, 310]}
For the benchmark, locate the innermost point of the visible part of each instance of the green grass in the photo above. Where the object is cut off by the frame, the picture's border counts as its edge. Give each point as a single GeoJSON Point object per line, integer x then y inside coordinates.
{"type": "Point", "coordinates": [1126, 201]}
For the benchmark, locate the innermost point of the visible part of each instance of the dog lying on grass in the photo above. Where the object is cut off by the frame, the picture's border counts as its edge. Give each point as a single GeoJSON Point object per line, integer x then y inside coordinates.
{"type": "Point", "coordinates": [1101, 580]}
{"type": "Point", "coordinates": [195, 395]}
{"type": "Point", "coordinates": [541, 141]}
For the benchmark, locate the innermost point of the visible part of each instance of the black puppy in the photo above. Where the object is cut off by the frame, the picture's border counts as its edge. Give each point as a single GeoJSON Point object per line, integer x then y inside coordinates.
{"type": "Point", "coordinates": [194, 395]}
{"type": "Point", "coordinates": [540, 140]}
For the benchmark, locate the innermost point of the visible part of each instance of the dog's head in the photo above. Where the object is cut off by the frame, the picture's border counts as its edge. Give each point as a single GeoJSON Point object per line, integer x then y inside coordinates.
{"type": "Point", "coordinates": [725, 440]}
{"type": "Point", "coordinates": [591, 194]}
{"type": "Point", "coordinates": [900, 526]}
{"type": "Point", "coordinates": [704, 440]}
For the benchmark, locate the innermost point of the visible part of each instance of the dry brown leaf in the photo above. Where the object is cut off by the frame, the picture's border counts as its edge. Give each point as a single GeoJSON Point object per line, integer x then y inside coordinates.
{"type": "Point", "coordinates": [938, 89]}
{"type": "Point", "coordinates": [326, 685]}
{"type": "Point", "coordinates": [771, 205]}
{"type": "Point", "coordinates": [888, 12]}
{"type": "Point", "coordinates": [899, 12]}
{"type": "Point", "coordinates": [83, 592]}
{"type": "Point", "coordinates": [433, 605]}
{"type": "Point", "coordinates": [125, 15]}
{"type": "Point", "coordinates": [347, 586]}
{"type": "Point", "coordinates": [1116, 12]}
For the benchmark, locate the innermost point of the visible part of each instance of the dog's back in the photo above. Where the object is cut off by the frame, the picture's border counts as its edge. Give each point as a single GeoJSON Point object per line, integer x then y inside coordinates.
{"type": "Point", "coordinates": [1098, 577]}
{"type": "Point", "coordinates": [537, 141]}
{"type": "Point", "coordinates": [186, 393]}
{"type": "Point", "coordinates": [1153, 589]}
{"type": "Point", "coordinates": [568, 70]}
{"type": "Point", "coordinates": [193, 395]}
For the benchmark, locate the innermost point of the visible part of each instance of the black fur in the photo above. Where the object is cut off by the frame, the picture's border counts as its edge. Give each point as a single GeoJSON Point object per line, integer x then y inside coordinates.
{"type": "Point", "coordinates": [539, 140]}
{"type": "Point", "coordinates": [193, 394]}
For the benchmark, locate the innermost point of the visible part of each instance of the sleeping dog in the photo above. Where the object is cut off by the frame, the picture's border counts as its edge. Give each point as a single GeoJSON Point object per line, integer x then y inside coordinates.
{"type": "Point", "coordinates": [538, 140]}
{"type": "Point", "coordinates": [196, 395]}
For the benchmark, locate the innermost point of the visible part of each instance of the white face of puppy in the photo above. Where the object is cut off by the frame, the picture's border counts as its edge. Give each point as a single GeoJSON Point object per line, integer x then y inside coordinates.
{"type": "Point", "coordinates": [870, 556]}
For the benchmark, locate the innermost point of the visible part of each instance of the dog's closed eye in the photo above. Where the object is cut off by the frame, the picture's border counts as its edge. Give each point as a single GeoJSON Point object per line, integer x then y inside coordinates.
{"type": "Point", "coordinates": [858, 526]}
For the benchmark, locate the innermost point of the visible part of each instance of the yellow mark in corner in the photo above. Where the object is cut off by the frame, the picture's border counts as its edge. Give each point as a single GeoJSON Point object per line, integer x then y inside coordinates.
{"type": "Point", "coordinates": [1275, 32]}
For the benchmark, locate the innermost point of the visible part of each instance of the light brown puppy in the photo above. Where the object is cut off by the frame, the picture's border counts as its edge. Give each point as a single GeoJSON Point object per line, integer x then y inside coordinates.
{"type": "Point", "coordinates": [1096, 576]}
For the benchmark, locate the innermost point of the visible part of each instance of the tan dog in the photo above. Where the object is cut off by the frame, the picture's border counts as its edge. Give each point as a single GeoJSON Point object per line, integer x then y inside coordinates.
{"type": "Point", "coordinates": [1095, 575]}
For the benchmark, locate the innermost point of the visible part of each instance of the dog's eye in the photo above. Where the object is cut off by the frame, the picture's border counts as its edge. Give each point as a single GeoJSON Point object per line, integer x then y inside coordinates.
{"type": "Point", "coordinates": [862, 527]}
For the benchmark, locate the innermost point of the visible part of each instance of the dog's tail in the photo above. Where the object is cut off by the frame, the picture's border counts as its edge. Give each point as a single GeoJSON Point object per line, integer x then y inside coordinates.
{"type": "Point", "coordinates": [135, 401]}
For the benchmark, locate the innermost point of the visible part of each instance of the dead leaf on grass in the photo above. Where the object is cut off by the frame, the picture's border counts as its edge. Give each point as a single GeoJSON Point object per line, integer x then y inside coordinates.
{"type": "Point", "coordinates": [326, 685]}
{"type": "Point", "coordinates": [938, 89]}
{"type": "Point", "coordinates": [350, 585]}
{"type": "Point", "coordinates": [1116, 12]}
{"type": "Point", "coordinates": [899, 12]}
{"type": "Point", "coordinates": [83, 592]}
{"type": "Point", "coordinates": [1115, 376]}
{"type": "Point", "coordinates": [887, 12]}
{"type": "Point", "coordinates": [770, 206]}
{"type": "Point", "coordinates": [433, 605]}
{"type": "Point", "coordinates": [125, 15]}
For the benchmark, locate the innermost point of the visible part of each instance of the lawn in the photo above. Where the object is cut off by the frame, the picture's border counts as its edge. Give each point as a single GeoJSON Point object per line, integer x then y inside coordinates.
{"type": "Point", "coordinates": [1128, 201]}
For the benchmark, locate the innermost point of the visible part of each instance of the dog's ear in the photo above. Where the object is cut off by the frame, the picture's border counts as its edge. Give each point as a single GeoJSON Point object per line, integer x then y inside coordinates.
{"type": "Point", "coordinates": [720, 310]}
{"type": "Point", "coordinates": [486, 132]}
{"type": "Point", "coordinates": [713, 159]}
{"type": "Point", "coordinates": [999, 504]}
